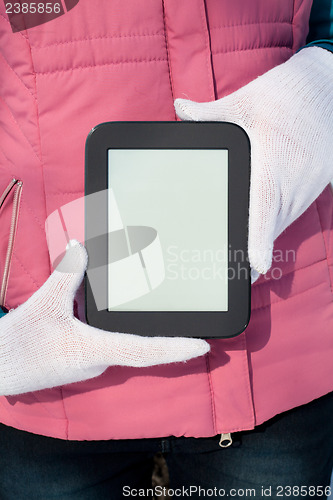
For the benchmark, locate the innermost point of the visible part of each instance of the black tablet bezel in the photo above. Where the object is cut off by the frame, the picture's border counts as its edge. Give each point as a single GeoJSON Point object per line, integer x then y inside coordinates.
{"type": "Point", "coordinates": [175, 135]}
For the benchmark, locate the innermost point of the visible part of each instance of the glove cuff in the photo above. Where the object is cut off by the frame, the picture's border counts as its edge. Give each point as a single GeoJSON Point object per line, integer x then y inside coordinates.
{"type": "Point", "coordinates": [324, 44]}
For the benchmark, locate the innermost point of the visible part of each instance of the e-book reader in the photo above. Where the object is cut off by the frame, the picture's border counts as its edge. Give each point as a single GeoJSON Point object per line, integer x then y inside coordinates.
{"type": "Point", "coordinates": [166, 226]}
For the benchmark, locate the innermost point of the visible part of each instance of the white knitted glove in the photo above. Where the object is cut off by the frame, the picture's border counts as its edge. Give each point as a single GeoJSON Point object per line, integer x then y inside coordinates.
{"type": "Point", "coordinates": [42, 345]}
{"type": "Point", "coordinates": [288, 116]}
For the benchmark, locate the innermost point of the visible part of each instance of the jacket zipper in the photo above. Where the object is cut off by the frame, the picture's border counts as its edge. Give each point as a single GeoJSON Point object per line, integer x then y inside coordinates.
{"type": "Point", "coordinates": [17, 186]}
{"type": "Point", "coordinates": [225, 440]}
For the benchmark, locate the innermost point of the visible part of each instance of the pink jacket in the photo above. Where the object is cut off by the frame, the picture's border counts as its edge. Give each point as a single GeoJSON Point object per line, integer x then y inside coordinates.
{"type": "Point", "coordinates": [128, 60]}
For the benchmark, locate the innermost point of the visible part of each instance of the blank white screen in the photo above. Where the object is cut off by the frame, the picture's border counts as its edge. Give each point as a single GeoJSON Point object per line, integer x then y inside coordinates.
{"type": "Point", "coordinates": [174, 255]}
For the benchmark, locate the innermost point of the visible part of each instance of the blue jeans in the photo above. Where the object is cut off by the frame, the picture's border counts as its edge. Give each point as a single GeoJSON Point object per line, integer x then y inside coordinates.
{"type": "Point", "coordinates": [290, 456]}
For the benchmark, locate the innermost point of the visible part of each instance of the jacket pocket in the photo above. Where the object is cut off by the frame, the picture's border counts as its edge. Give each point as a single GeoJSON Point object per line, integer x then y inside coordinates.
{"type": "Point", "coordinates": [11, 200]}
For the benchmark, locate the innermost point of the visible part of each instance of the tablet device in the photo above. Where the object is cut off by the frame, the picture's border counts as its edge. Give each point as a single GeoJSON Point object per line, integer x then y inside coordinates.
{"type": "Point", "coordinates": [166, 223]}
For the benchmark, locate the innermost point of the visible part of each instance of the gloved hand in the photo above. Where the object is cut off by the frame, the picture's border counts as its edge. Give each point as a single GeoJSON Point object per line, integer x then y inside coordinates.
{"type": "Point", "coordinates": [43, 345]}
{"type": "Point", "coordinates": [288, 116]}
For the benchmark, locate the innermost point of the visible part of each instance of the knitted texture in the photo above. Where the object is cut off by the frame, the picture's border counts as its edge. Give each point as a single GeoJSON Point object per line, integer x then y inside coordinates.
{"type": "Point", "coordinates": [42, 345]}
{"type": "Point", "coordinates": [288, 116]}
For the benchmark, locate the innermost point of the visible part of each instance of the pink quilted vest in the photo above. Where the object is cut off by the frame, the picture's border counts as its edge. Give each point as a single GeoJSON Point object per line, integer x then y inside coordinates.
{"type": "Point", "coordinates": [128, 60]}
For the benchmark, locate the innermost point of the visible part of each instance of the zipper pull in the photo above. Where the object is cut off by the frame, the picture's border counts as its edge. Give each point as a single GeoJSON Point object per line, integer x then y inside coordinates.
{"type": "Point", "coordinates": [225, 440]}
{"type": "Point", "coordinates": [7, 191]}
